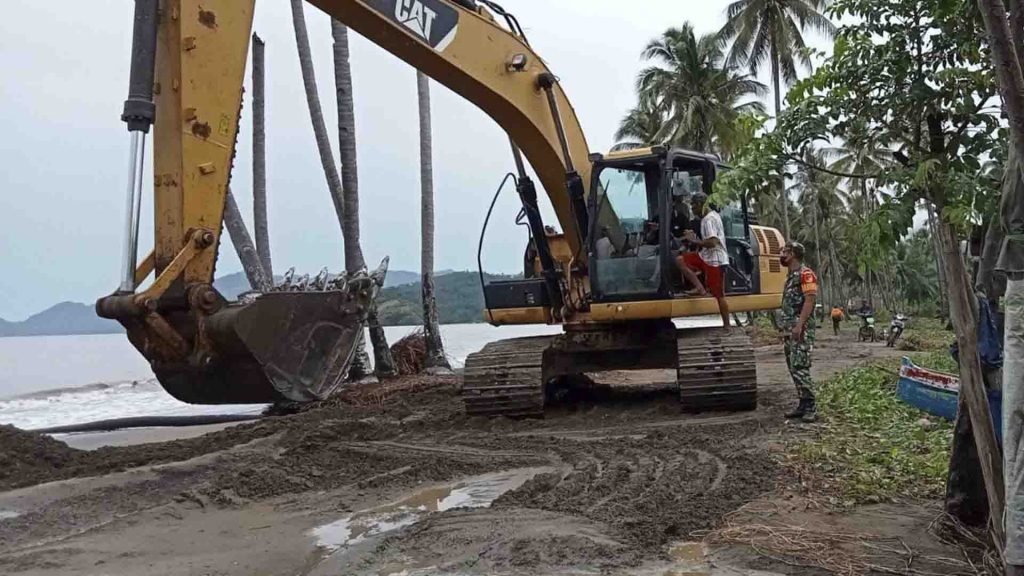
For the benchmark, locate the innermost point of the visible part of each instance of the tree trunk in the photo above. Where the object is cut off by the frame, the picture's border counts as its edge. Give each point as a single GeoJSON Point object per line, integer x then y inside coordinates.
{"type": "Point", "coordinates": [383, 363]}
{"type": "Point", "coordinates": [347, 147]}
{"type": "Point", "coordinates": [777, 89]}
{"type": "Point", "coordinates": [1006, 43]}
{"type": "Point", "coordinates": [818, 251]}
{"type": "Point", "coordinates": [259, 157]}
{"type": "Point", "coordinates": [1007, 65]}
{"type": "Point", "coordinates": [431, 331]}
{"type": "Point", "coordinates": [316, 113]}
{"type": "Point", "coordinates": [243, 245]}
{"type": "Point", "coordinates": [966, 499]}
{"type": "Point", "coordinates": [354, 260]}
{"type": "Point", "coordinates": [939, 268]}
{"type": "Point", "coordinates": [972, 386]}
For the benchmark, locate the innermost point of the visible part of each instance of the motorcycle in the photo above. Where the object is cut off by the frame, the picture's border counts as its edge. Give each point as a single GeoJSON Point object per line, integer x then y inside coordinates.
{"type": "Point", "coordinates": [895, 330]}
{"type": "Point", "coordinates": [866, 333]}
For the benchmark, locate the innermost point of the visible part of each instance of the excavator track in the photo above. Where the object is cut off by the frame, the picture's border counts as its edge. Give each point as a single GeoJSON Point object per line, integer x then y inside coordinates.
{"type": "Point", "coordinates": [506, 378]}
{"type": "Point", "coordinates": [715, 371]}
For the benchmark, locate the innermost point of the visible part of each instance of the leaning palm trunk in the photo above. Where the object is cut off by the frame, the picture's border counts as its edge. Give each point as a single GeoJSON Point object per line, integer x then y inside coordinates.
{"type": "Point", "coordinates": [323, 145]}
{"type": "Point", "coordinates": [233, 221]}
{"type": "Point", "coordinates": [432, 332]}
{"type": "Point", "coordinates": [316, 113]}
{"type": "Point", "coordinates": [354, 261]}
{"type": "Point", "coordinates": [259, 157]}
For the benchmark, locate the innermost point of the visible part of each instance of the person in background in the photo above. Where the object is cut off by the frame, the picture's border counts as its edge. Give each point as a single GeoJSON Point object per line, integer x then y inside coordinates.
{"type": "Point", "coordinates": [798, 296]}
{"type": "Point", "coordinates": [865, 309]}
{"type": "Point", "coordinates": [837, 316]}
{"type": "Point", "coordinates": [711, 257]}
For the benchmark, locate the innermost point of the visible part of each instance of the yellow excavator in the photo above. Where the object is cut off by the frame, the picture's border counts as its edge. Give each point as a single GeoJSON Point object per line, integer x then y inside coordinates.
{"type": "Point", "coordinates": [609, 279]}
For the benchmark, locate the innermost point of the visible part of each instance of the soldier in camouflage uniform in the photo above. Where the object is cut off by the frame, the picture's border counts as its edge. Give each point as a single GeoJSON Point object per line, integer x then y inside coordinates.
{"type": "Point", "coordinates": [798, 297]}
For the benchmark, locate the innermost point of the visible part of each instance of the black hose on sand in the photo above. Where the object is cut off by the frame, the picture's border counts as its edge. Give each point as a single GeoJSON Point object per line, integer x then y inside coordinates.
{"type": "Point", "coordinates": [148, 422]}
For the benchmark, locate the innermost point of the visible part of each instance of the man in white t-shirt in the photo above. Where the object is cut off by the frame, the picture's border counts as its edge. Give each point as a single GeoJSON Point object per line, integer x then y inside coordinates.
{"type": "Point", "coordinates": [711, 258]}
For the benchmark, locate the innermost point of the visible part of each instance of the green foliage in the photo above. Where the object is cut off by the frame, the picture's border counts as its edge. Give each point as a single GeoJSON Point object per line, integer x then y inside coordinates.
{"type": "Point", "coordinates": [459, 300]}
{"type": "Point", "coordinates": [909, 77]}
{"type": "Point", "coordinates": [873, 447]}
{"type": "Point", "coordinates": [690, 97]}
{"type": "Point", "coordinates": [940, 360]}
{"type": "Point", "coordinates": [906, 109]}
{"type": "Point", "coordinates": [930, 337]}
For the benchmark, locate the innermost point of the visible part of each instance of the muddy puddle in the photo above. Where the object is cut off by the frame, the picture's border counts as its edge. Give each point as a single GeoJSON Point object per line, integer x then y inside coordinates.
{"type": "Point", "coordinates": [473, 492]}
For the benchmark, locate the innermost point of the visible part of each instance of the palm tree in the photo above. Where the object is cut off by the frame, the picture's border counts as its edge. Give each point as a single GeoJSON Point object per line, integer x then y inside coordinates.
{"type": "Point", "coordinates": [259, 157]}
{"type": "Point", "coordinates": [861, 154]}
{"type": "Point", "coordinates": [353, 253]}
{"type": "Point", "coordinates": [769, 34]}
{"type": "Point", "coordinates": [354, 261]}
{"type": "Point", "coordinates": [641, 126]}
{"type": "Point", "coordinates": [316, 113]}
{"type": "Point", "coordinates": [432, 333]}
{"type": "Point", "coordinates": [818, 195]}
{"type": "Point", "coordinates": [244, 246]}
{"type": "Point", "coordinates": [696, 93]}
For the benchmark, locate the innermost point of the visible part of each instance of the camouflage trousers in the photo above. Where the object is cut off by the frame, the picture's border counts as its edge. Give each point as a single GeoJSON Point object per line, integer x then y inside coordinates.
{"type": "Point", "coordinates": [798, 359]}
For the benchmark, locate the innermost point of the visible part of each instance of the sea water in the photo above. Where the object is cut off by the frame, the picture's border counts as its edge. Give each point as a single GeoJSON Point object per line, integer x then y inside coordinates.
{"type": "Point", "coordinates": [59, 380]}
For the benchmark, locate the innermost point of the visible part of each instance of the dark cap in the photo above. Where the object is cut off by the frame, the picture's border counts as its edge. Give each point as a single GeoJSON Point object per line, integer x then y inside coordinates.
{"type": "Point", "coordinates": [796, 248]}
{"type": "Point", "coordinates": [699, 197]}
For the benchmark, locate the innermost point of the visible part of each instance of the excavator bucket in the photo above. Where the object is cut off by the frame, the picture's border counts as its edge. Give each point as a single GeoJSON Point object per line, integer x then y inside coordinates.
{"type": "Point", "coordinates": [292, 344]}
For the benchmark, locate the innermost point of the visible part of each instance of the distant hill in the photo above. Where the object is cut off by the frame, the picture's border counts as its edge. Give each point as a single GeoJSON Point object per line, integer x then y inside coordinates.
{"type": "Point", "coordinates": [64, 318]}
{"type": "Point", "coordinates": [459, 300]}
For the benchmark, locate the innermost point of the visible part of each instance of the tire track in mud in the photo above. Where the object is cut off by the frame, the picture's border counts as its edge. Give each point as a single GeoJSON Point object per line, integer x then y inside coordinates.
{"type": "Point", "coordinates": [650, 490]}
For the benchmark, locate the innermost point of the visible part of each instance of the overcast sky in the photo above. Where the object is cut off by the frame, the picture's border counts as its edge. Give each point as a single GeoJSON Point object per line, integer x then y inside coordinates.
{"type": "Point", "coordinates": [64, 149]}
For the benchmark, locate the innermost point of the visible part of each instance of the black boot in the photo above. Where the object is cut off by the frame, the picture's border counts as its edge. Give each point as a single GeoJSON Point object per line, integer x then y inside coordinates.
{"type": "Point", "coordinates": [810, 414]}
{"type": "Point", "coordinates": [799, 411]}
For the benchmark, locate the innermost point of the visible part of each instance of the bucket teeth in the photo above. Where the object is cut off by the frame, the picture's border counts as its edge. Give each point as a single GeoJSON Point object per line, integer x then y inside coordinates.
{"type": "Point", "coordinates": [506, 378]}
{"type": "Point", "coordinates": [715, 371]}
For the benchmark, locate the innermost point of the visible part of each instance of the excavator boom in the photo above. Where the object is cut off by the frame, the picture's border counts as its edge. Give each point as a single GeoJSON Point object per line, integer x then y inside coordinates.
{"type": "Point", "coordinates": [608, 277]}
{"type": "Point", "coordinates": [188, 64]}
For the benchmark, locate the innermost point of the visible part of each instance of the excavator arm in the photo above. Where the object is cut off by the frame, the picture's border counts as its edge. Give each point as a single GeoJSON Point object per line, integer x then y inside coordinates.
{"type": "Point", "coordinates": [188, 64]}
{"type": "Point", "coordinates": [200, 63]}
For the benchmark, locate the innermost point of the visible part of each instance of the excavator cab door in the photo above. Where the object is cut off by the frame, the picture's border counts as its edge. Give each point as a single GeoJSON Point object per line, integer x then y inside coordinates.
{"type": "Point", "coordinates": [625, 240]}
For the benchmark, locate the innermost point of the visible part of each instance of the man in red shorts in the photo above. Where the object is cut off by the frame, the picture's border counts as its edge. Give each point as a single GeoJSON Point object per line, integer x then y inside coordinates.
{"type": "Point", "coordinates": [711, 258]}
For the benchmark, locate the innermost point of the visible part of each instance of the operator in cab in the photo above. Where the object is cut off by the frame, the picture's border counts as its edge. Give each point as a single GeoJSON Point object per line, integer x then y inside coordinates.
{"type": "Point", "coordinates": [710, 258]}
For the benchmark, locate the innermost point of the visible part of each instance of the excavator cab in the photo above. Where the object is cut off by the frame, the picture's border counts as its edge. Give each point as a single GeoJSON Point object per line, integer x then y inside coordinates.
{"type": "Point", "coordinates": [640, 208]}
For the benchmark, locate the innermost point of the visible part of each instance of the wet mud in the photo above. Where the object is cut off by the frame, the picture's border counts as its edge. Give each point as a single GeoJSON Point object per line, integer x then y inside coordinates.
{"type": "Point", "coordinates": [400, 481]}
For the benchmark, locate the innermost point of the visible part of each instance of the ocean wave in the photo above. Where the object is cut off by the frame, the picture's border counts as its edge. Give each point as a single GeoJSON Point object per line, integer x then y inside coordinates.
{"type": "Point", "coordinates": [123, 385]}
{"type": "Point", "coordinates": [102, 401]}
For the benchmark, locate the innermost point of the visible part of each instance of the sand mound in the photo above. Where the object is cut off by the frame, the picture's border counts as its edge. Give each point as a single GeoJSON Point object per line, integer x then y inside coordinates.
{"type": "Point", "coordinates": [28, 455]}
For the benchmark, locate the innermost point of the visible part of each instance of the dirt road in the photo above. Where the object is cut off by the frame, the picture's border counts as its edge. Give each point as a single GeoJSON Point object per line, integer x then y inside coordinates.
{"type": "Point", "coordinates": [410, 485]}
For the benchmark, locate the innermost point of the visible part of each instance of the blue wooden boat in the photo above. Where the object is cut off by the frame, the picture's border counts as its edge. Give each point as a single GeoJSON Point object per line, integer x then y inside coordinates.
{"type": "Point", "coordinates": [937, 393]}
